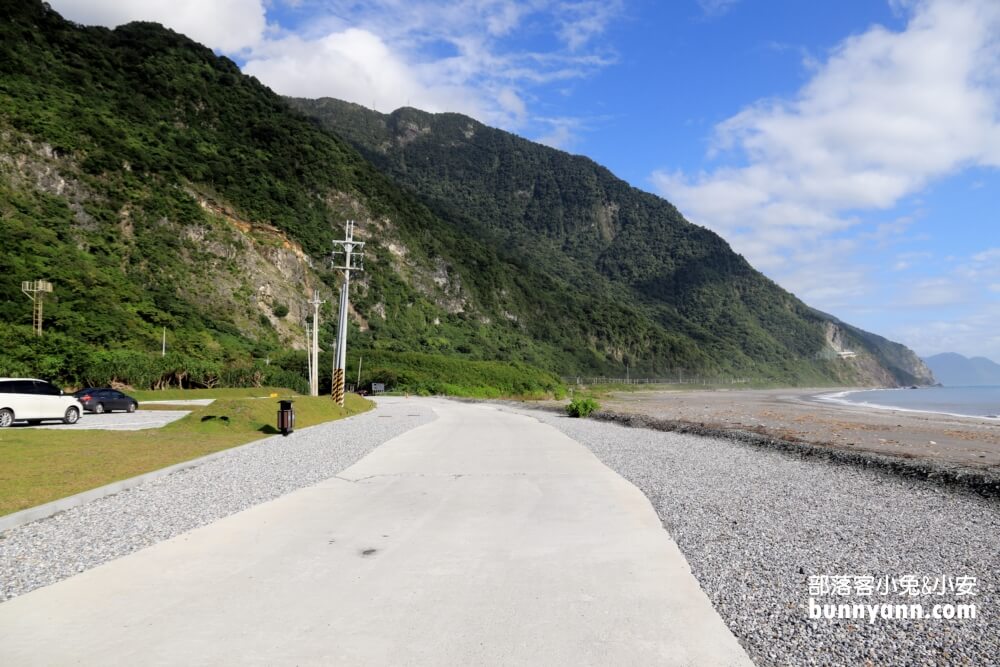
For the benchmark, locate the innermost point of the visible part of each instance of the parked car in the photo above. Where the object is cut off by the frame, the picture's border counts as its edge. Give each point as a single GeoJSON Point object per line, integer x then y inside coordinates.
{"type": "Point", "coordinates": [100, 400]}
{"type": "Point", "coordinates": [33, 400]}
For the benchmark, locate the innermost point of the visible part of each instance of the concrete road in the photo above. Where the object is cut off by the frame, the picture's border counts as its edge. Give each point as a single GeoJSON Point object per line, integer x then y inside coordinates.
{"type": "Point", "coordinates": [482, 538]}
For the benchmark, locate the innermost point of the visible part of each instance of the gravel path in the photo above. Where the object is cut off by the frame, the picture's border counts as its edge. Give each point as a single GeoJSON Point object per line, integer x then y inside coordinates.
{"type": "Point", "coordinates": [46, 551]}
{"type": "Point", "coordinates": [119, 421]}
{"type": "Point", "coordinates": [755, 524]}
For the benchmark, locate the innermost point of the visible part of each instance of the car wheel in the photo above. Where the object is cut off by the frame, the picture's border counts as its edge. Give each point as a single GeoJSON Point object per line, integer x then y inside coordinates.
{"type": "Point", "coordinates": [6, 418]}
{"type": "Point", "coordinates": [99, 408]}
{"type": "Point", "coordinates": [131, 407]}
{"type": "Point", "coordinates": [72, 415]}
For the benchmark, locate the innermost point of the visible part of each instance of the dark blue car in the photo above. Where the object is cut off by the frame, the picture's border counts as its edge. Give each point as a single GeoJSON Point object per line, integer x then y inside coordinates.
{"type": "Point", "coordinates": [105, 400]}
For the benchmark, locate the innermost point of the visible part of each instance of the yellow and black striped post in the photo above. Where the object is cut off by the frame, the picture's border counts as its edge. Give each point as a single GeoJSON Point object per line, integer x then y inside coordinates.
{"type": "Point", "coordinates": [338, 386]}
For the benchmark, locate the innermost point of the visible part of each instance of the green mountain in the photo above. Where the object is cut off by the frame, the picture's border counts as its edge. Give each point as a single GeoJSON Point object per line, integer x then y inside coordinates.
{"type": "Point", "coordinates": [573, 219]}
{"type": "Point", "coordinates": [159, 189]}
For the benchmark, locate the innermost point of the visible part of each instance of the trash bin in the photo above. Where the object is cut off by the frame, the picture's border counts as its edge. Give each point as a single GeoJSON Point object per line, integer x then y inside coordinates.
{"type": "Point", "coordinates": [286, 417]}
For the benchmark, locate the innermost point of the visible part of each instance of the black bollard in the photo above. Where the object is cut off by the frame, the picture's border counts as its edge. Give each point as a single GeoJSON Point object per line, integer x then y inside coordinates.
{"type": "Point", "coordinates": [286, 417]}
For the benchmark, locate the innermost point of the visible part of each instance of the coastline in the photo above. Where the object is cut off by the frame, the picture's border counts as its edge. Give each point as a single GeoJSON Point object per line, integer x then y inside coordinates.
{"type": "Point", "coordinates": [757, 517]}
{"type": "Point", "coordinates": [800, 417]}
{"type": "Point", "coordinates": [839, 398]}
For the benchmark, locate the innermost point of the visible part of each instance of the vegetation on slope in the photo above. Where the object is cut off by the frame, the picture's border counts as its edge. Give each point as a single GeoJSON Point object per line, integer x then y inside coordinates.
{"type": "Point", "coordinates": [161, 189]}
{"type": "Point", "coordinates": [111, 141]}
{"type": "Point", "coordinates": [573, 218]}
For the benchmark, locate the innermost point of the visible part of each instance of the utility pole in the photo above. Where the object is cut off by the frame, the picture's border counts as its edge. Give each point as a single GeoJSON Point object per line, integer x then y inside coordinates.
{"type": "Point", "coordinates": [360, 359]}
{"type": "Point", "coordinates": [353, 260]}
{"type": "Point", "coordinates": [309, 357]}
{"type": "Point", "coordinates": [36, 291]}
{"type": "Point", "coordinates": [163, 349]}
{"type": "Point", "coordinates": [314, 348]}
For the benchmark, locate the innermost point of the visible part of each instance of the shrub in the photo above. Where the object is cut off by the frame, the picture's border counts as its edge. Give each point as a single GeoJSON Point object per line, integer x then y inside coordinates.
{"type": "Point", "coordinates": [582, 407]}
{"type": "Point", "coordinates": [280, 310]}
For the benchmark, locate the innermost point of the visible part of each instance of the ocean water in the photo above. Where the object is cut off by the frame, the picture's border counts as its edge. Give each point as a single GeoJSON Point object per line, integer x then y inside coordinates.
{"type": "Point", "coordinates": [968, 401]}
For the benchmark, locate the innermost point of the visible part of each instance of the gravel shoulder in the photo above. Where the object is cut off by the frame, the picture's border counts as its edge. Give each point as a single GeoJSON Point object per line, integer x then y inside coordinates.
{"type": "Point", "coordinates": [755, 523]}
{"type": "Point", "coordinates": [49, 550]}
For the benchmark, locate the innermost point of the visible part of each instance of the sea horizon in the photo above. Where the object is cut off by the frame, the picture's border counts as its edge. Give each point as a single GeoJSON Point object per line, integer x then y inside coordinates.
{"type": "Point", "coordinates": [969, 401]}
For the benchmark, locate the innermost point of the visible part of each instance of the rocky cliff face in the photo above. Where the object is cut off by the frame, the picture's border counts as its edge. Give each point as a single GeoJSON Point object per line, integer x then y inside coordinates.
{"type": "Point", "coordinates": [872, 360]}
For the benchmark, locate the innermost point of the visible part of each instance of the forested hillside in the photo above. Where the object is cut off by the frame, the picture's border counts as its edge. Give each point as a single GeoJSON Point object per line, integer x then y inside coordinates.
{"type": "Point", "coordinates": [571, 217]}
{"type": "Point", "coordinates": [158, 188]}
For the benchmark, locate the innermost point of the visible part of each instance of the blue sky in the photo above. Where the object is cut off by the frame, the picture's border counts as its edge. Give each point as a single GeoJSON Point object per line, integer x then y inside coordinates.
{"type": "Point", "coordinates": [850, 149]}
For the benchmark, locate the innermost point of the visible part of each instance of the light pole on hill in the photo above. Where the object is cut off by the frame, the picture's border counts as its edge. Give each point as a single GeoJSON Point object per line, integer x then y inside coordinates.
{"type": "Point", "coordinates": [36, 291]}
{"type": "Point", "coordinates": [316, 302]}
{"type": "Point", "coordinates": [351, 254]}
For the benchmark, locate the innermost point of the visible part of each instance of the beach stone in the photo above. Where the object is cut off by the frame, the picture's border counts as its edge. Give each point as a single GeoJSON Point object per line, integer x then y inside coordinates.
{"type": "Point", "coordinates": [755, 523]}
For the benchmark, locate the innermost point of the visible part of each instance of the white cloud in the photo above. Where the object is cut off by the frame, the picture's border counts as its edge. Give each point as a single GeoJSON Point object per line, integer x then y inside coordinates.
{"type": "Point", "coordinates": [464, 56]}
{"type": "Point", "coordinates": [966, 293]}
{"type": "Point", "coordinates": [907, 260]}
{"type": "Point", "coordinates": [936, 292]}
{"type": "Point", "coordinates": [574, 22]}
{"type": "Point", "coordinates": [511, 102]}
{"type": "Point", "coordinates": [716, 7]}
{"type": "Point", "coordinates": [436, 56]}
{"type": "Point", "coordinates": [982, 269]}
{"type": "Point", "coordinates": [886, 233]}
{"type": "Point", "coordinates": [976, 334]}
{"type": "Point", "coordinates": [582, 21]}
{"type": "Point", "coordinates": [562, 132]}
{"type": "Point", "coordinates": [885, 114]}
{"type": "Point", "coordinates": [991, 255]}
{"type": "Point", "coordinates": [836, 287]}
{"type": "Point", "coordinates": [358, 66]}
{"type": "Point", "coordinates": [227, 25]}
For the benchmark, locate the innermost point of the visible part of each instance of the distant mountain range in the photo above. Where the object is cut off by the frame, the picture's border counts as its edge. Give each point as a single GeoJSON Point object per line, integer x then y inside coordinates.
{"type": "Point", "coordinates": [954, 370]}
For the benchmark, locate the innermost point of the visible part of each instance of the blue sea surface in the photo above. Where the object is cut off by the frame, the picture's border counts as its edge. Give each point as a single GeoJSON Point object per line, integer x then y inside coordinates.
{"type": "Point", "coordinates": [969, 401]}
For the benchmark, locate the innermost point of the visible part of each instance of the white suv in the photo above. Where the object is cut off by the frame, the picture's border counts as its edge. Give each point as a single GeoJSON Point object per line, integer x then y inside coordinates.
{"type": "Point", "coordinates": [31, 400]}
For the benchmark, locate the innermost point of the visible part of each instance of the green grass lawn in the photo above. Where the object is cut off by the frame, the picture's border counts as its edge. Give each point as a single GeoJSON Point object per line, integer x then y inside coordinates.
{"type": "Point", "coordinates": [153, 395]}
{"type": "Point", "coordinates": [41, 465]}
